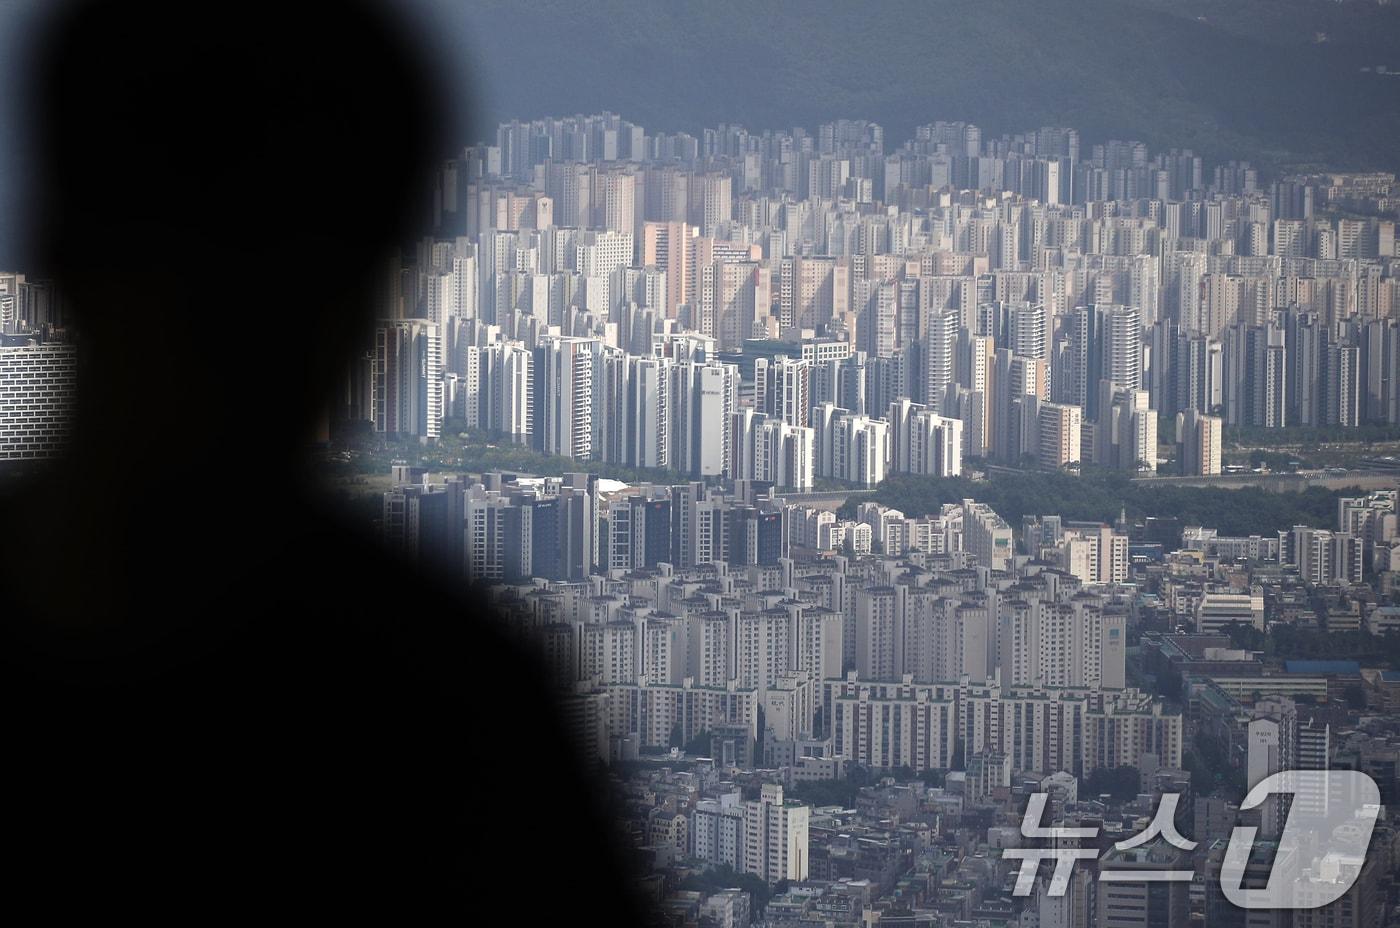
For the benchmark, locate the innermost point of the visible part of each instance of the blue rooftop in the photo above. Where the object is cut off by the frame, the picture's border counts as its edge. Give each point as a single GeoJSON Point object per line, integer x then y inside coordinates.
{"type": "Point", "coordinates": [1322, 667]}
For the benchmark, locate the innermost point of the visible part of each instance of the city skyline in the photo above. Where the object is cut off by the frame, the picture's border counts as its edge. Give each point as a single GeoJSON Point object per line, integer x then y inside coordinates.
{"type": "Point", "coordinates": [845, 459]}
{"type": "Point", "coordinates": [1039, 324]}
{"type": "Point", "coordinates": [725, 361]}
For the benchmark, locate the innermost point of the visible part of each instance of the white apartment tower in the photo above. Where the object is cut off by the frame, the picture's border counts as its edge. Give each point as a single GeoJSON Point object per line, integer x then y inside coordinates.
{"type": "Point", "coordinates": [923, 442]}
{"type": "Point", "coordinates": [775, 837]}
{"type": "Point", "coordinates": [563, 377]}
{"type": "Point", "coordinates": [1059, 427]}
{"type": "Point", "coordinates": [986, 535]}
{"type": "Point", "coordinates": [782, 389]}
{"type": "Point", "coordinates": [649, 412]}
{"type": "Point", "coordinates": [406, 384]}
{"type": "Point", "coordinates": [1198, 440]}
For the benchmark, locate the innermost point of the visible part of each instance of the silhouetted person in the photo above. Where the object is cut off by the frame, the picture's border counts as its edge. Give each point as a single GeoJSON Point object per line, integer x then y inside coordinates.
{"type": "Point", "coordinates": [219, 699]}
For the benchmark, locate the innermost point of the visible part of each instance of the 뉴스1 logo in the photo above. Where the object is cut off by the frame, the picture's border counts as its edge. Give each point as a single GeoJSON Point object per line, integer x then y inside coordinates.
{"type": "Point", "coordinates": [1323, 845]}
{"type": "Point", "coordinates": [1326, 830]}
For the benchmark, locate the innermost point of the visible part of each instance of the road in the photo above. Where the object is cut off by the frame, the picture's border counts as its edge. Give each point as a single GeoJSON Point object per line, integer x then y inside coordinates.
{"type": "Point", "coordinates": [824, 499]}
{"type": "Point", "coordinates": [1285, 483]}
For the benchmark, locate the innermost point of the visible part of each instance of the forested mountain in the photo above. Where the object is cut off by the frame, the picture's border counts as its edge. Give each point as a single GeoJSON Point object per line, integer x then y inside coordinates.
{"type": "Point", "coordinates": [1280, 82]}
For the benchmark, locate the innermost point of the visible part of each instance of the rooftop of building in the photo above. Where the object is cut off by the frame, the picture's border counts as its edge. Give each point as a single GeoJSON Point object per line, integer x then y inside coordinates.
{"type": "Point", "coordinates": [1339, 668]}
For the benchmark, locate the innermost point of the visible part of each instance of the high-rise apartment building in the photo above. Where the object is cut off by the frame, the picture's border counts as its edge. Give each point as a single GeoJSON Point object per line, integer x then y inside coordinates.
{"type": "Point", "coordinates": [563, 373]}
{"type": "Point", "coordinates": [986, 535]}
{"type": "Point", "coordinates": [407, 388]}
{"type": "Point", "coordinates": [851, 447]}
{"type": "Point", "coordinates": [1198, 439]}
{"type": "Point", "coordinates": [782, 389]}
{"type": "Point", "coordinates": [775, 837]}
{"type": "Point", "coordinates": [923, 442]}
{"type": "Point", "coordinates": [1323, 557]}
{"type": "Point", "coordinates": [1058, 435]}
{"type": "Point", "coordinates": [670, 247]}
{"type": "Point", "coordinates": [770, 450]}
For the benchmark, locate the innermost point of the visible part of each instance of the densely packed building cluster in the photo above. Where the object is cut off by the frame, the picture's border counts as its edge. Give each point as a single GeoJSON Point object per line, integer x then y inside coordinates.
{"type": "Point", "coordinates": [973, 669]}
{"type": "Point", "coordinates": [785, 306]}
{"type": "Point", "coordinates": [739, 650]}
{"type": "Point", "coordinates": [753, 312]}
{"type": "Point", "coordinates": [691, 608]}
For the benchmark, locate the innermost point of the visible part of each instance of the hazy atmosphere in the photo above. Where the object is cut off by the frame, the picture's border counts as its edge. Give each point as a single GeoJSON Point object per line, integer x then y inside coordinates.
{"type": "Point", "coordinates": [731, 464]}
{"type": "Point", "coordinates": [1287, 83]}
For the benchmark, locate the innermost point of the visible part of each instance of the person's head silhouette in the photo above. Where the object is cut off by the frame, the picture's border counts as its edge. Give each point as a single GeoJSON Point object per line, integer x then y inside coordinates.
{"type": "Point", "coordinates": [225, 700]}
{"type": "Point", "coordinates": [220, 190]}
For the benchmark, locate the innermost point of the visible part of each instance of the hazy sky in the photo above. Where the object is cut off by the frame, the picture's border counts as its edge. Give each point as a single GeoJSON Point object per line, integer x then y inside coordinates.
{"type": "Point", "coordinates": [1248, 81]}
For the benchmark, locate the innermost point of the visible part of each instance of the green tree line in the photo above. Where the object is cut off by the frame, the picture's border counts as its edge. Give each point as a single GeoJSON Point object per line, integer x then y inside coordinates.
{"type": "Point", "coordinates": [1100, 496]}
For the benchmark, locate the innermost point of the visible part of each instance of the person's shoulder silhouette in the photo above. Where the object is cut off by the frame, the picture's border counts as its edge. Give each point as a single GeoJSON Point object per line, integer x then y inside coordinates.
{"type": "Point", "coordinates": [220, 699]}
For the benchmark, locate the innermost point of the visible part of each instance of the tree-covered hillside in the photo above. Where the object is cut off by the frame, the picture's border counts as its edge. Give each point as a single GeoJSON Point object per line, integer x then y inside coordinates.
{"type": "Point", "coordinates": [1101, 496]}
{"type": "Point", "coordinates": [1189, 73]}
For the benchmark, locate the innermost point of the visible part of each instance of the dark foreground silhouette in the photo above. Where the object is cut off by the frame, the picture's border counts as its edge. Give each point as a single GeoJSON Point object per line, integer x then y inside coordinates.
{"type": "Point", "coordinates": [220, 701]}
